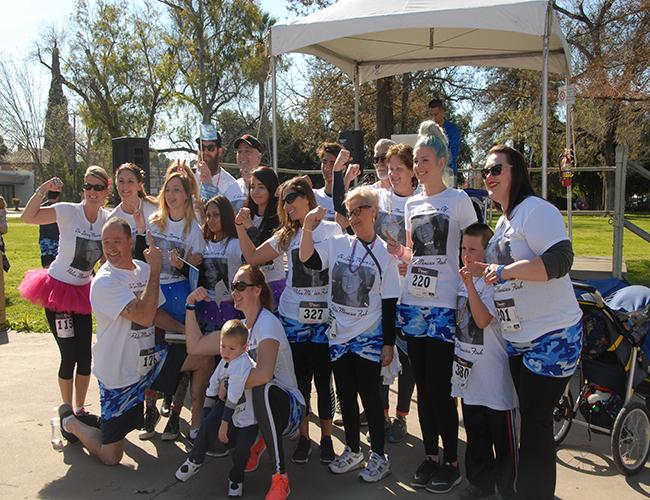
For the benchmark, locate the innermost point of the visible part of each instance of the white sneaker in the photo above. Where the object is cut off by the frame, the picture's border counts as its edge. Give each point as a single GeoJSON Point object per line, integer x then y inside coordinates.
{"type": "Point", "coordinates": [377, 468]}
{"type": "Point", "coordinates": [235, 490]}
{"type": "Point", "coordinates": [187, 470]}
{"type": "Point", "coordinates": [346, 462]}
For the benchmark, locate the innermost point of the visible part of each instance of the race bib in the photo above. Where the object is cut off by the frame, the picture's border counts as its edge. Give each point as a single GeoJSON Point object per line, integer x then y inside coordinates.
{"type": "Point", "coordinates": [422, 282]}
{"type": "Point", "coordinates": [313, 312]}
{"type": "Point", "coordinates": [64, 326]}
{"type": "Point", "coordinates": [461, 369]}
{"type": "Point", "coordinates": [507, 315]}
{"type": "Point", "coordinates": [148, 359]}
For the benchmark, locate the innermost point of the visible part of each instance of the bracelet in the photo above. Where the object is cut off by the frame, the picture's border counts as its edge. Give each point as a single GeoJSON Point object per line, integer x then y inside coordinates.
{"type": "Point", "coordinates": [239, 223]}
{"type": "Point", "coordinates": [190, 307]}
{"type": "Point", "coordinates": [307, 230]}
{"type": "Point", "coordinates": [499, 273]}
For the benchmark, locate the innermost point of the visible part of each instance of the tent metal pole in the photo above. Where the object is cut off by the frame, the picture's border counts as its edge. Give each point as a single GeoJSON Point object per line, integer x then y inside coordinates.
{"type": "Point", "coordinates": [619, 210]}
{"type": "Point", "coordinates": [547, 34]}
{"type": "Point", "coordinates": [356, 97]}
{"type": "Point", "coordinates": [274, 114]}
{"type": "Point", "coordinates": [569, 189]}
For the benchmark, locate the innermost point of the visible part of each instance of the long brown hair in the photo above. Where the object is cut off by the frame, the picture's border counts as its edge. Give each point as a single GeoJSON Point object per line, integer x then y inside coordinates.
{"type": "Point", "coordinates": [161, 217]}
{"type": "Point", "coordinates": [227, 215]}
{"type": "Point", "coordinates": [258, 279]}
{"type": "Point", "coordinates": [139, 176]}
{"type": "Point", "coordinates": [520, 186]}
{"type": "Point", "coordinates": [289, 228]}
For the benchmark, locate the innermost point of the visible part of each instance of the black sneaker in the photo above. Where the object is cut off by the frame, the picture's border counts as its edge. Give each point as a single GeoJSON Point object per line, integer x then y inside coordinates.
{"type": "Point", "coordinates": [326, 450]}
{"type": "Point", "coordinates": [165, 410]}
{"type": "Point", "coordinates": [151, 418]}
{"type": "Point", "coordinates": [445, 479]}
{"type": "Point", "coordinates": [172, 429]}
{"type": "Point", "coordinates": [65, 411]}
{"type": "Point", "coordinates": [397, 432]}
{"type": "Point", "coordinates": [471, 492]}
{"type": "Point", "coordinates": [424, 473]}
{"type": "Point", "coordinates": [302, 452]}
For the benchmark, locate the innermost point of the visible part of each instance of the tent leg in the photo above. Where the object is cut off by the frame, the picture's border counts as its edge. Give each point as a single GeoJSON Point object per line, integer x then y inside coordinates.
{"type": "Point", "coordinates": [547, 31]}
{"type": "Point", "coordinates": [356, 98]}
{"type": "Point", "coordinates": [619, 210]}
{"type": "Point", "coordinates": [569, 189]}
{"type": "Point", "coordinates": [274, 114]}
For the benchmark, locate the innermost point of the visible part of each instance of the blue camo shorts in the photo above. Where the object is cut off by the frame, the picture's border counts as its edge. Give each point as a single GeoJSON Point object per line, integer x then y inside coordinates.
{"type": "Point", "coordinates": [298, 332]}
{"type": "Point", "coordinates": [368, 345]}
{"type": "Point", "coordinates": [420, 321]}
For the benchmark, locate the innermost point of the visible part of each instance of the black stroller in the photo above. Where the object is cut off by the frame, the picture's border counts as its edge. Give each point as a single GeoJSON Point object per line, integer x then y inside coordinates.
{"type": "Point", "coordinates": [614, 394]}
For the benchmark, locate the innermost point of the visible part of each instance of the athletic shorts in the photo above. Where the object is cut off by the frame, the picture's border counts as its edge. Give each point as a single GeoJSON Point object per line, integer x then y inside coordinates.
{"type": "Point", "coordinates": [368, 345]}
{"type": "Point", "coordinates": [298, 332]}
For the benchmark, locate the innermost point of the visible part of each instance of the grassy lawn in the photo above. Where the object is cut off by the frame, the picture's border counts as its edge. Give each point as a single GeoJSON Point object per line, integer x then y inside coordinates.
{"type": "Point", "coordinates": [592, 236]}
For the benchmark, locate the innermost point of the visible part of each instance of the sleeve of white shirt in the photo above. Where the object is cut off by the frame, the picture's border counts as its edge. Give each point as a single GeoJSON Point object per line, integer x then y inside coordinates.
{"type": "Point", "coordinates": [274, 243]}
{"type": "Point", "coordinates": [196, 242]}
{"type": "Point", "coordinates": [543, 228]}
{"type": "Point", "coordinates": [324, 248]}
{"type": "Point", "coordinates": [64, 213]}
{"type": "Point", "coordinates": [390, 283]}
{"type": "Point", "coordinates": [110, 296]}
{"type": "Point", "coordinates": [467, 214]}
{"type": "Point", "coordinates": [237, 376]}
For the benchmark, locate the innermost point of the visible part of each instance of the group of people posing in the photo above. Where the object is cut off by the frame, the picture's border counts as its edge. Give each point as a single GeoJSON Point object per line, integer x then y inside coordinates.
{"type": "Point", "coordinates": [275, 286]}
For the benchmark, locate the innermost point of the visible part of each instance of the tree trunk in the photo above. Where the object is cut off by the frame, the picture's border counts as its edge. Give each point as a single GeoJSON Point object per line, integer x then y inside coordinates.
{"type": "Point", "coordinates": [384, 110]}
{"type": "Point", "coordinates": [406, 92]}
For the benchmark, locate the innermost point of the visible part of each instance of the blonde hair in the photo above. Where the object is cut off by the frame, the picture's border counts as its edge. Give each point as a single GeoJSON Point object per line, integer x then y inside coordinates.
{"type": "Point", "coordinates": [366, 193]}
{"type": "Point", "coordinates": [184, 169]}
{"type": "Point", "coordinates": [161, 217]}
{"type": "Point", "coordinates": [235, 328]}
{"type": "Point", "coordinates": [433, 136]}
{"type": "Point", "coordinates": [98, 172]}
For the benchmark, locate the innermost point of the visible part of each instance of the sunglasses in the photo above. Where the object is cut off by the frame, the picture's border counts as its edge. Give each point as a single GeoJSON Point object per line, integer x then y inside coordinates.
{"type": "Point", "coordinates": [94, 187]}
{"type": "Point", "coordinates": [208, 147]}
{"type": "Point", "coordinates": [493, 170]}
{"type": "Point", "coordinates": [291, 197]}
{"type": "Point", "coordinates": [240, 286]}
{"type": "Point", "coordinates": [357, 211]}
{"type": "Point", "coordinates": [378, 159]}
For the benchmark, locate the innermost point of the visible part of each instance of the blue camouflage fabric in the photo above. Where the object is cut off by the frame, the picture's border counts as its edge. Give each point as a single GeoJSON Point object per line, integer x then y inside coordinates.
{"type": "Point", "coordinates": [298, 333]}
{"type": "Point", "coordinates": [554, 354]}
{"type": "Point", "coordinates": [435, 322]}
{"type": "Point", "coordinates": [368, 345]}
{"type": "Point", "coordinates": [116, 402]}
{"type": "Point", "coordinates": [49, 246]}
{"type": "Point", "coordinates": [296, 411]}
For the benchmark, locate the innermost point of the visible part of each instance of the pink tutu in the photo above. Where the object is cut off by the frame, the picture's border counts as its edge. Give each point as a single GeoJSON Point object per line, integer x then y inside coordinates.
{"type": "Point", "coordinates": [43, 290]}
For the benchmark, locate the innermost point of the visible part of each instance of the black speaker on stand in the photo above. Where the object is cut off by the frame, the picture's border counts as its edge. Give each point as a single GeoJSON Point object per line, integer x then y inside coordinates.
{"type": "Point", "coordinates": [132, 150]}
{"type": "Point", "coordinates": [352, 140]}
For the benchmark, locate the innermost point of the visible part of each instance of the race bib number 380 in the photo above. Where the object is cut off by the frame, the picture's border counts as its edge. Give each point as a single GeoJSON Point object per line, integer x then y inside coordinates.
{"type": "Point", "coordinates": [313, 312]}
{"type": "Point", "coordinates": [422, 282]}
{"type": "Point", "coordinates": [460, 372]}
{"type": "Point", "coordinates": [507, 315]}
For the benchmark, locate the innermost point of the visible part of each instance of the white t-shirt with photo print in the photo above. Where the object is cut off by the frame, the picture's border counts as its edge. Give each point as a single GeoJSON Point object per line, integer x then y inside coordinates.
{"type": "Point", "coordinates": [273, 270]}
{"type": "Point", "coordinates": [483, 351]}
{"type": "Point", "coordinates": [390, 214]}
{"type": "Point", "coordinates": [326, 201]}
{"type": "Point", "coordinates": [124, 351]}
{"type": "Point", "coordinates": [303, 284]}
{"type": "Point", "coordinates": [357, 286]}
{"type": "Point", "coordinates": [148, 209]}
{"type": "Point", "coordinates": [529, 309]}
{"type": "Point", "coordinates": [237, 397]}
{"type": "Point", "coordinates": [221, 260]}
{"type": "Point", "coordinates": [80, 244]}
{"type": "Point", "coordinates": [173, 237]}
{"type": "Point", "coordinates": [435, 224]}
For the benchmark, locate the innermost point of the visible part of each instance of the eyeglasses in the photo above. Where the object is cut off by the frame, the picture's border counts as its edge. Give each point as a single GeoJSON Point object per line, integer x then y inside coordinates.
{"type": "Point", "coordinates": [94, 187]}
{"type": "Point", "coordinates": [357, 211]}
{"type": "Point", "coordinates": [208, 147]}
{"type": "Point", "coordinates": [378, 159]}
{"type": "Point", "coordinates": [240, 286]}
{"type": "Point", "coordinates": [290, 198]}
{"type": "Point", "coordinates": [493, 170]}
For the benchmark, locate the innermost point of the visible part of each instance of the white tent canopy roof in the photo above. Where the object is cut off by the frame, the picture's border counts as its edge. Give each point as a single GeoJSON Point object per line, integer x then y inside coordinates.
{"type": "Point", "coordinates": [380, 38]}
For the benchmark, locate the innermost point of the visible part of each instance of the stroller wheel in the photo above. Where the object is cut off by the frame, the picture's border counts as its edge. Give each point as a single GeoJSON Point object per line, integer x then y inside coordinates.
{"type": "Point", "coordinates": [631, 438]}
{"type": "Point", "coordinates": [562, 417]}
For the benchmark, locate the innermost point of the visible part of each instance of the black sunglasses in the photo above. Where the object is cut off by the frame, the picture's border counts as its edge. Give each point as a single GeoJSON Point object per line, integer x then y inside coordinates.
{"type": "Point", "coordinates": [357, 211]}
{"type": "Point", "coordinates": [94, 187]}
{"type": "Point", "coordinates": [240, 286]}
{"type": "Point", "coordinates": [208, 147]}
{"type": "Point", "coordinates": [377, 159]}
{"type": "Point", "coordinates": [493, 170]}
{"type": "Point", "coordinates": [291, 197]}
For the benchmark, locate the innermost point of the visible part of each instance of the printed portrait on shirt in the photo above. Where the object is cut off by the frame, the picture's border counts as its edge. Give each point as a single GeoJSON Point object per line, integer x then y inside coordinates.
{"type": "Point", "coordinates": [429, 234]}
{"type": "Point", "coordinates": [215, 270]}
{"type": "Point", "coordinates": [352, 289]}
{"type": "Point", "coordinates": [304, 277]}
{"type": "Point", "coordinates": [499, 251]}
{"type": "Point", "coordinates": [166, 246]}
{"type": "Point", "coordinates": [393, 225]}
{"type": "Point", "coordinates": [86, 253]}
{"type": "Point", "coordinates": [467, 331]}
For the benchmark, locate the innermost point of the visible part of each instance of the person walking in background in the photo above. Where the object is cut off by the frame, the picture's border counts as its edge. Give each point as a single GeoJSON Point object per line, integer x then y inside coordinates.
{"type": "Point", "coordinates": [437, 114]}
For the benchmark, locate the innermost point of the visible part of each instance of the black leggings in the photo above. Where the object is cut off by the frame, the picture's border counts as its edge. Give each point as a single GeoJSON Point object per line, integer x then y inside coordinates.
{"type": "Point", "coordinates": [75, 350]}
{"type": "Point", "coordinates": [405, 386]}
{"type": "Point", "coordinates": [431, 360]}
{"type": "Point", "coordinates": [272, 407]}
{"type": "Point", "coordinates": [239, 438]}
{"type": "Point", "coordinates": [538, 395]}
{"type": "Point", "coordinates": [356, 375]}
{"type": "Point", "coordinates": [312, 360]}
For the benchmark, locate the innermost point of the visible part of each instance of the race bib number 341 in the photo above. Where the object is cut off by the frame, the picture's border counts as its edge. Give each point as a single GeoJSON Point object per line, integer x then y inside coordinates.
{"type": "Point", "coordinates": [422, 282]}
{"type": "Point", "coordinates": [313, 312]}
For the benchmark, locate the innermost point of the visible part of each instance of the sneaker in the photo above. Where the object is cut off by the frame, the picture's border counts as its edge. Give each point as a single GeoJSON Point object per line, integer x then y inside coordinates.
{"type": "Point", "coordinates": [172, 428]}
{"type": "Point", "coordinates": [89, 419]}
{"type": "Point", "coordinates": [363, 420]}
{"type": "Point", "coordinates": [471, 492]}
{"type": "Point", "coordinates": [377, 468]}
{"type": "Point", "coordinates": [187, 470]}
{"type": "Point", "coordinates": [303, 451]}
{"type": "Point", "coordinates": [326, 450]}
{"type": "Point", "coordinates": [166, 407]}
{"type": "Point", "coordinates": [424, 473]}
{"type": "Point", "coordinates": [218, 450]}
{"type": "Point", "coordinates": [346, 462]}
{"type": "Point", "coordinates": [445, 479]}
{"type": "Point", "coordinates": [191, 436]}
{"type": "Point", "coordinates": [235, 490]}
{"type": "Point", "coordinates": [151, 418]}
{"type": "Point", "coordinates": [397, 431]}
{"type": "Point", "coordinates": [338, 416]}
{"type": "Point", "coordinates": [279, 489]}
{"type": "Point", "coordinates": [256, 454]}
{"type": "Point", "coordinates": [65, 411]}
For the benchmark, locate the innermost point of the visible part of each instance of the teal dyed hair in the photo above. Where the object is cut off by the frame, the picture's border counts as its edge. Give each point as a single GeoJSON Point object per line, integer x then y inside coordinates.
{"type": "Point", "coordinates": [433, 136]}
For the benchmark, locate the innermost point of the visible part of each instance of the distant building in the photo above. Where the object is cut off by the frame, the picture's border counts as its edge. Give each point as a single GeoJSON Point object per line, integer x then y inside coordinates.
{"type": "Point", "coordinates": [17, 174]}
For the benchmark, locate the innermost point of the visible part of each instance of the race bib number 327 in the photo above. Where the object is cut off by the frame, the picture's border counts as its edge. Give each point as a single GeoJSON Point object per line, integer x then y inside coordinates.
{"type": "Point", "coordinates": [313, 312]}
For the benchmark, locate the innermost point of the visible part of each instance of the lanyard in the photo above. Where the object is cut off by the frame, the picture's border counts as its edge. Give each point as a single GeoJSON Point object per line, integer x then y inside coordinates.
{"type": "Point", "coordinates": [354, 248]}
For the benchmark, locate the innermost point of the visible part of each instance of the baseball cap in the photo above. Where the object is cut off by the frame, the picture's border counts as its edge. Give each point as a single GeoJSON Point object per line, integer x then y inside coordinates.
{"type": "Point", "coordinates": [250, 140]}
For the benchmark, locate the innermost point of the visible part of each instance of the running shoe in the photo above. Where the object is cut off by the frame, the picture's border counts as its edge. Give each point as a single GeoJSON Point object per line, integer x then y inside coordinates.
{"type": "Point", "coordinates": [338, 415]}
{"type": "Point", "coordinates": [326, 450]}
{"type": "Point", "coordinates": [445, 479]}
{"type": "Point", "coordinates": [280, 488]}
{"type": "Point", "coordinates": [302, 452]}
{"type": "Point", "coordinates": [65, 411]}
{"type": "Point", "coordinates": [187, 470]}
{"type": "Point", "coordinates": [191, 436]}
{"type": "Point", "coordinates": [235, 490]}
{"type": "Point", "coordinates": [424, 473]}
{"type": "Point", "coordinates": [256, 454]}
{"type": "Point", "coordinates": [151, 418]}
{"type": "Point", "coordinates": [172, 429]}
{"type": "Point", "coordinates": [346, 462]}
{"type": "Point", "coordinates": [377, 468]}
{"type": "Point", "coordinates": [166, 407]}
{"type": "Point", "coordinates": [218, 449]}
{"type": "Point", "coordinates": [397, 431]}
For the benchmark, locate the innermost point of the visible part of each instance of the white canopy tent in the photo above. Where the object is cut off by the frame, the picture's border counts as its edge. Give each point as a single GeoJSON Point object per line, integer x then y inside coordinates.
{"type": "Point", "coordinates": [371, 39]}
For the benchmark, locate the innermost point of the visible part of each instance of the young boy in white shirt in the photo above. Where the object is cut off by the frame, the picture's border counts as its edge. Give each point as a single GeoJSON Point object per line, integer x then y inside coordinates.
{"type": "Point", "coordinates": [232, 413]}
{"type": "Point", "coordinates": [481, 377]}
